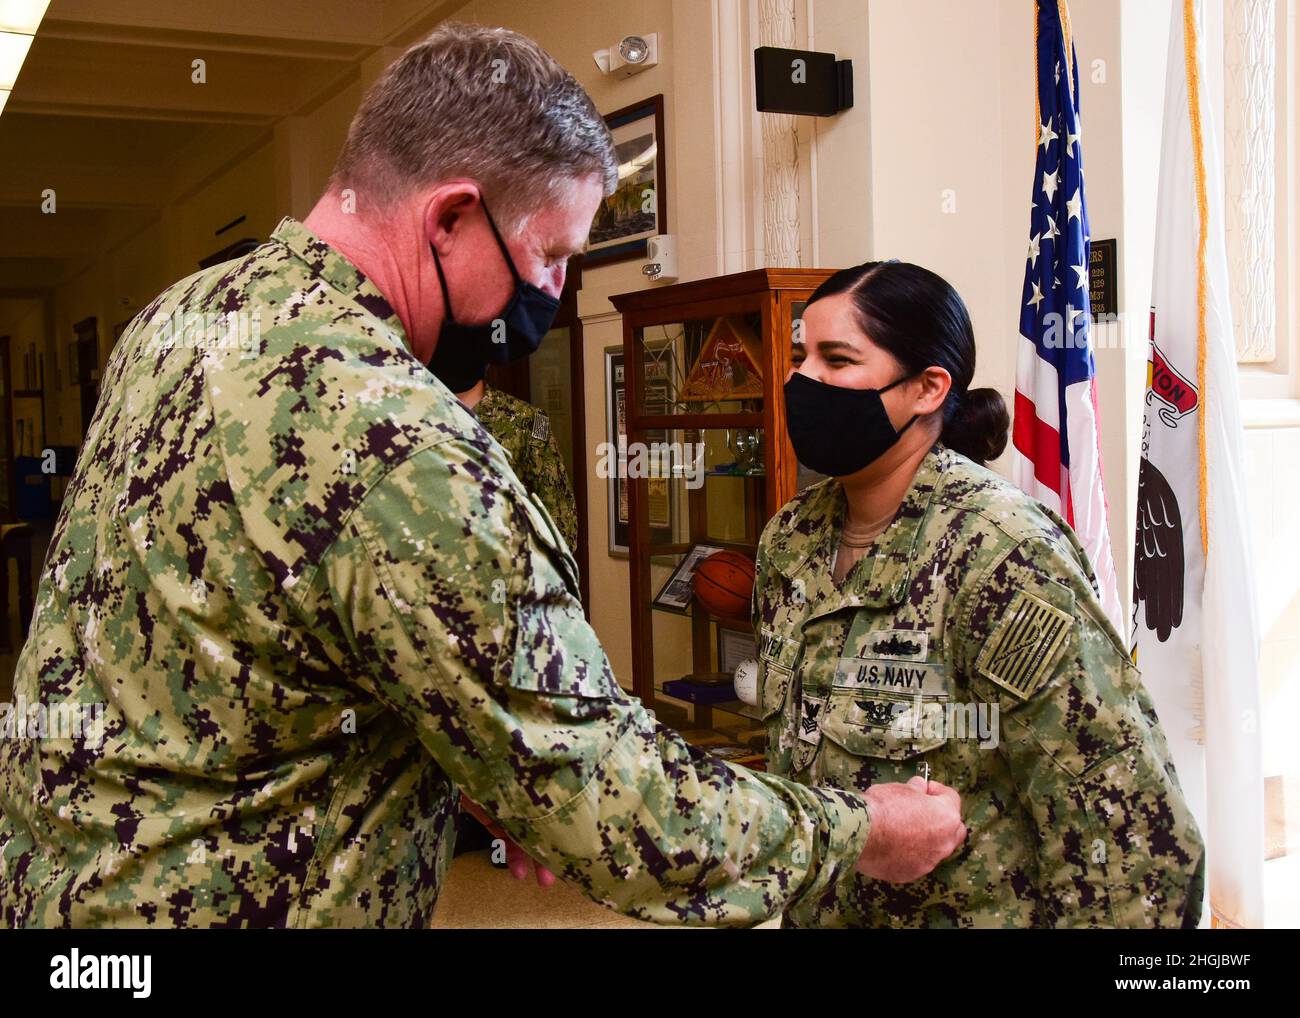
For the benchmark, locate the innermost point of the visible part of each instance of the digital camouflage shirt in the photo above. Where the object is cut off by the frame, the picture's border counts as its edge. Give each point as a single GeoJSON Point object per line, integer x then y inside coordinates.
{"type": "Point", "coordinates": [969, 639]}
{"type": "Point", "coordinates": [524, 431]}
{"type": "Point", "coordinates": [314, 600]}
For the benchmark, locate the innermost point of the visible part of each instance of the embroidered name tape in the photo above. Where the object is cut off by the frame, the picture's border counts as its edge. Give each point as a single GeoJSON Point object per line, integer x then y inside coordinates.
{"type": "Point", "coordinates": [889, 673]}
{"type": "Point", "coordinates": [777, 649]}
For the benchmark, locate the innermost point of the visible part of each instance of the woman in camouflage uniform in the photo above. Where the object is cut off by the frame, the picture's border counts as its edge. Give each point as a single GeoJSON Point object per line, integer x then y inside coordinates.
{"type": "Point", "coordinates": [919, 615]}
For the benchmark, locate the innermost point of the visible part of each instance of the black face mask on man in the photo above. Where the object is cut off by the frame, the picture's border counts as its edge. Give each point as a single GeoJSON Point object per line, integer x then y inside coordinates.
{"type": "Point", "coordinates": [838, 431]}
{"type": "Point", "coordinates": [464, 351]}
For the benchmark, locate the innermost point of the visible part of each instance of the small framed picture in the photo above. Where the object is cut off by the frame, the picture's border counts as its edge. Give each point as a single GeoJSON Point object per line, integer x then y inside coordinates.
{"type": "Point", "coordinates": [735, 646]}
{"type": "Point", "coordinates": [675, 595]}
{"type": "Point", "coordinates": [659, 492]}
{"type": "Point", "coordinates": [638, 208]}
{"type": "Point", "coordinates": [616, 436]}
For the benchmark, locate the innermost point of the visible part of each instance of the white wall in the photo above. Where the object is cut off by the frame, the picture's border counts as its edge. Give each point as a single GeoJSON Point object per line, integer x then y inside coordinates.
{"type": "Point", "coordinates": [951, 118]}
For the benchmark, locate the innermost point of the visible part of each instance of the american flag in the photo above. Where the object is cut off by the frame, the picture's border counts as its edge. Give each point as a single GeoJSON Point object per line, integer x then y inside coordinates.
{"type": "Point", "coordinates": [1056, 439]}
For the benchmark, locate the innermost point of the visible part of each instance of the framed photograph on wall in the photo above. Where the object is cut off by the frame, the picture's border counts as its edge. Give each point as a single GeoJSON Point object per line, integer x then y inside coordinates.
{"type": "Point", "coordinates": [638, 209]}
{"type": "Point", "coordinates": [616, 436]}
{"type": "Point", "coordinates": [659, 489]}
{"type": "Point", "coordinates": [735, 646]}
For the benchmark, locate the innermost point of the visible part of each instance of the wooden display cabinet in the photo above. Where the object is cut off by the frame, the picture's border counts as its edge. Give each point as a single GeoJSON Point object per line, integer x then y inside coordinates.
{"type": "Point", "coordinates": [706, 363]}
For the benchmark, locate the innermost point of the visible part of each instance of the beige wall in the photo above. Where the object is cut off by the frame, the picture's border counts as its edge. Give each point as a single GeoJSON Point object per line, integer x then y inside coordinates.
{"type": "Point", "coordinates": [118, 285]}
{"type": "Point", "coordinates": [306, 146]}
{"type": "Point", "coordinates": [263, 185]}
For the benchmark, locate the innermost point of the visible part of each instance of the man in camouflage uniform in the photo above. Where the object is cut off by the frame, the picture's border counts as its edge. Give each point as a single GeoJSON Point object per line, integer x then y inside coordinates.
{"type": "Point", "coordinates": [524, 431]}
{"type": "Point", "coordinates": [313, 597]}
{"type": "Point", "coordinates": [969, 644]}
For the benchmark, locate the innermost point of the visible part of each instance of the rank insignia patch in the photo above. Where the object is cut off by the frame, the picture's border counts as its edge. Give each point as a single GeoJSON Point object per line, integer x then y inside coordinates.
{"type": "Point", "coordinates": [810, 721]}
{"type": "Point", "coordinates": [541, 427]}
{"type": "Point", "coordinates": [1023, 649]}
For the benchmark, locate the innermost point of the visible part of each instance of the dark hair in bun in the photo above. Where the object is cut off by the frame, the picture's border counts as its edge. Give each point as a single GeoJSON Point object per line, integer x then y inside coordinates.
{"type": "Point", "coordinates": [919, 318]}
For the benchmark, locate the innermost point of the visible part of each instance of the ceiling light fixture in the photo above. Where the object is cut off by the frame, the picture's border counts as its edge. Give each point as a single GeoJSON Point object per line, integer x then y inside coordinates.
{"type": "Point", "coordinates": [22, 16]}
{"type": "Point", "coordinates": [629, 55]}
{"type": "Point", "coordinates": [19, 20]}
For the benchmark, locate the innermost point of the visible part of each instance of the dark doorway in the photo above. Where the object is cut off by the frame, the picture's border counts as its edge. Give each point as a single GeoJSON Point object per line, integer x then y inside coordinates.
{"type": "Point", "coordinates": [87, 375]}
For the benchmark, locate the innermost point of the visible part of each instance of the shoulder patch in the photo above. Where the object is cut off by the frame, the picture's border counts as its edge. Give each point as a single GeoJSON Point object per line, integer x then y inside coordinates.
{"type": "Point", "coordinates": [541, 427]}
{"type": "Point", "coordinates": [1023, 650]}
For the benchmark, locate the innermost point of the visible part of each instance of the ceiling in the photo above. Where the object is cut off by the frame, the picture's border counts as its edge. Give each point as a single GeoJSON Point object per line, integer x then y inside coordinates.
{"type": "Point", "coordinates": [104, 111]}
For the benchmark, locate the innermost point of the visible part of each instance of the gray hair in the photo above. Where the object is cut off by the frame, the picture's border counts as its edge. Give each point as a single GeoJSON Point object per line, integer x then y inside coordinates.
{"type": "Point", "coordinates": [484, 103]}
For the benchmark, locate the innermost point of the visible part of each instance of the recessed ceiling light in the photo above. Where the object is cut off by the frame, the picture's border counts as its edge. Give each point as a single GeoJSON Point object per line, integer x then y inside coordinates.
{"type": "Point", "coordinates": [22, 16]}
{"type": "Point", "coordinates": [13, 51]}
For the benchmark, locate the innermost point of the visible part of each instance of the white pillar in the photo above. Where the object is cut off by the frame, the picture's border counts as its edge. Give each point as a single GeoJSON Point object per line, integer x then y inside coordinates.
{"type": "Point", "coordinates": [783, 170]}
{"type": "Point", "coordinates": [1249, 112]}
{"type": "Point", "coordinates": [732, 108]}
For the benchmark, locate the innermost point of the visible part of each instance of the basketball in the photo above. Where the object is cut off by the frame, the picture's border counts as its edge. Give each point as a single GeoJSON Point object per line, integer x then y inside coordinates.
{"type": "Point", "coordinates": [724, 583]}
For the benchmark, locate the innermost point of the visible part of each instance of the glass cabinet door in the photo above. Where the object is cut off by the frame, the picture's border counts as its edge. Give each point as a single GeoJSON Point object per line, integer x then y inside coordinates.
{"type": "Point", "coordinates": [709, 365]}
{"type": "Point", "coordinates": [714, 498]}
{"type": "Point", "coordinates": [707, 462]}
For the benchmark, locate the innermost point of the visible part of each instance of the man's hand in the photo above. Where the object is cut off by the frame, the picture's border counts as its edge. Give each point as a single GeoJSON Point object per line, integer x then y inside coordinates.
{"type": "Point", "coordinates": [517, 860]}
{"type": "Point", "coordinates": [911, 831]}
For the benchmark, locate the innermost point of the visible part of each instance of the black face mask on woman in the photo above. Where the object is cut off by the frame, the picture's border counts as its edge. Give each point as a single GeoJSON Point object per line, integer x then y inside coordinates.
{"type": "Point", "coordinates": [464, 351]}
{"type": "Point", "coordinates": [838, 431]}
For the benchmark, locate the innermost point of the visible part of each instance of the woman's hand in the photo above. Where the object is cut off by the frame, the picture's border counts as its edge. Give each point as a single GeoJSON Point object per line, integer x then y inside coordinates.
{"type": "Point", "coordinates": [912, 830]}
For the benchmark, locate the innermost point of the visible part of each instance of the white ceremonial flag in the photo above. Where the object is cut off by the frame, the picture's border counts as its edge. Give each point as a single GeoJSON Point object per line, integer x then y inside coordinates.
{"type": "Point", "coordinates": [1195, 621]}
